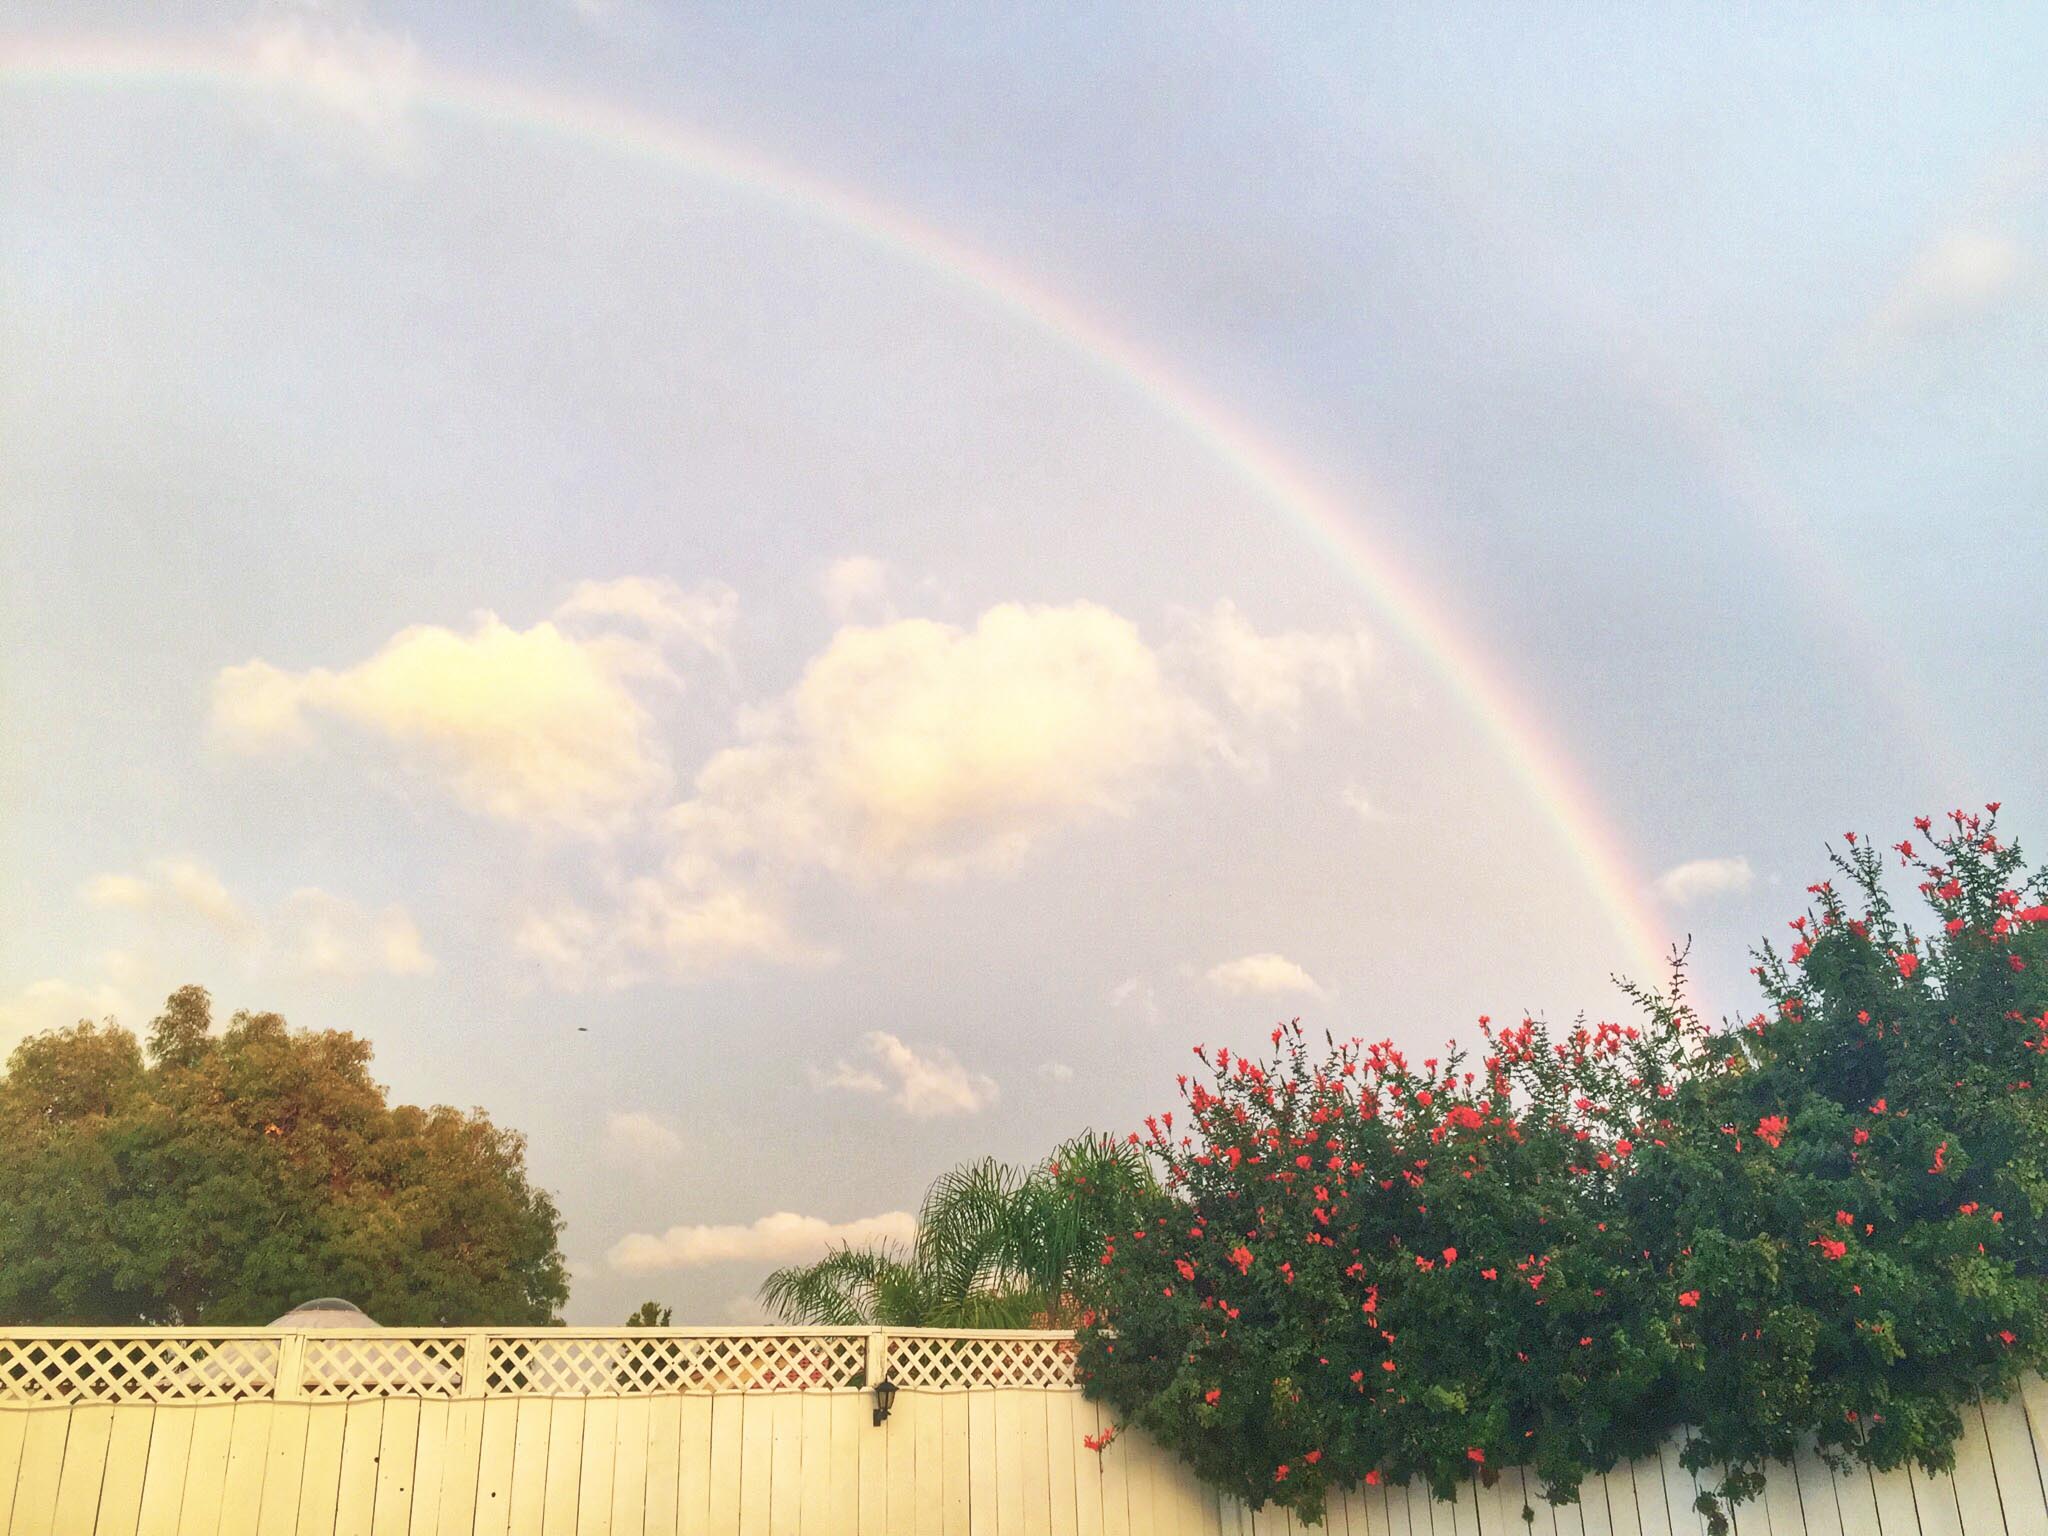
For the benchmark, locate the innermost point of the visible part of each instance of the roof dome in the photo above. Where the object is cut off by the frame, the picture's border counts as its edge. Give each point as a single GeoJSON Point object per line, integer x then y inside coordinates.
{"type": "Point", "coordinates": [325, 1312]}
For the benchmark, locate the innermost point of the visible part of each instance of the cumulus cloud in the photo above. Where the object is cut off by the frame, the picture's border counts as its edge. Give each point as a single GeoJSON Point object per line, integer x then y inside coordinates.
{"type": "Point", "coordinates": [1956, 277]}
{"type": "Point", "coordinates": [544, 726]}
{"type": "Point", "coordinates": [311, 932]}
{"type": "Point", "coordinates": [1274, 677]}
{"type": "Point", "coordinates": [916, 748]}
{"type": "Point", "coordinates": [1056, 1071]}
{"type": "Point", "coordinates": [175, 888]}
{"type": "Point", "coordinates": [687, 929]}
{"type": "Point", "coordinates": [634, 1138]}
{"type": "Point", "coordinates": [366, 76]}
{"type": "Point", "coordinates": [1359, 803]}
{"type": "Point", "coordinates": [926, 1085]}
{"type": "Point", "coordinates": [783, 1238]}
{"type": "Point", "coordinates": [1700, 878]}
{"type": "Point", "coordinates": [854, 587]}
{"type": "Point", "coordinates": [699, 619]}
{"type": "Point", "coordinates": [317, 933]}
{"type": "Point", "coordinates": [1264, 973]}
{"type": "Point", "coordinates": [53, 1004]}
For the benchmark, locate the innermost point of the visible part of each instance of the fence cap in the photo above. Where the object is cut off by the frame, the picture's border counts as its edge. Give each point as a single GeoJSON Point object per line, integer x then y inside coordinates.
{"type": "Point", "coordinates": [325, 1312]}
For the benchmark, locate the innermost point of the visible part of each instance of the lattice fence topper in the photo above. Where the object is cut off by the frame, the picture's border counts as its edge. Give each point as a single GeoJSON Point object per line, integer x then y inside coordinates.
{"type": "Point", "coordinates": [131, 1367]}
{"type": "Point", "coordinates": [47, 1365]}
{"type": "Point", "coordinates": [960, 1361]}
{"type": "Point", "coordinates": [558, 1365]}
{"type": "Point", "coordinates": [396, 1365]}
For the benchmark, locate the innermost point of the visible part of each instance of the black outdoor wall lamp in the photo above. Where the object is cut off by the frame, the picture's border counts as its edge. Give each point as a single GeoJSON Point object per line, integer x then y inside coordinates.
{"type": "Point", "coordinates": [885, 1399]}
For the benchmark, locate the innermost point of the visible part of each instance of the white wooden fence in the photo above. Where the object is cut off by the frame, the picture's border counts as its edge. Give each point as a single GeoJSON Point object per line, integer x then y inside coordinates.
{"type": "Point", "coordinates": [767, 1432]}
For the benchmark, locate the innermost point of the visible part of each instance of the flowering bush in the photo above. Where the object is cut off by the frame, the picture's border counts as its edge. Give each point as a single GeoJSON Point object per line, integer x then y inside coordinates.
{"type": "Point", "coordinates": [1829, 1221]}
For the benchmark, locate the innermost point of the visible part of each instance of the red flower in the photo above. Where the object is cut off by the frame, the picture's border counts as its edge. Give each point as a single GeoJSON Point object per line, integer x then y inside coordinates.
{"type": "Point", "coordinates": [1830, 1248]}
{"type": "Point", "coordinates": [1241, 1256]}
{"type": "Point", "coordinates": [1688, 1298]}
{"type": "Point", "coordinates": [1489, 1274]}
{"type": "Point", "coordinates": [1844, 1219]}
{"type": "Point", "coordinates": [1908, 963]}
{"type": "Point", "coordinates": [1213, 1396]}
{"type": "Point", "coordinates": [1473, 1453]}
{"type": "Point", "coordinates": [2009, 1336]}
{"type": "Point", "coordinates": [1772, 1128]}
{"type": "Point", "coordinates": [1280, 1473]}
{"type": "Point", "coordinates": [1372, 1478]}
{"type": "Point", "coordinates": [1313, 1457]}
{"type": "Point", "coordinates": [1450, 1255]}
{"type": "Point", "coordinates": [1465, 1117]}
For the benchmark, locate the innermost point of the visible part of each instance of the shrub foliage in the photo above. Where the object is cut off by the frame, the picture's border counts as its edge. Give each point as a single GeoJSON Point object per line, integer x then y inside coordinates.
{"type": "Point", "coordinates": [1826, 1223]}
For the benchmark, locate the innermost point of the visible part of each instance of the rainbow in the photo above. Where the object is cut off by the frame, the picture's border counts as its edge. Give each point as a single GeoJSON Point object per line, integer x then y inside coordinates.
{"type": "Point", "coordinates": [1401, 601]}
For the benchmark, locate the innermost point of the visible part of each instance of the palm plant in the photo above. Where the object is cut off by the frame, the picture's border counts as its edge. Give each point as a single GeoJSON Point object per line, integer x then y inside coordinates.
{"type": "Point", "coordinates": [997, 1246]}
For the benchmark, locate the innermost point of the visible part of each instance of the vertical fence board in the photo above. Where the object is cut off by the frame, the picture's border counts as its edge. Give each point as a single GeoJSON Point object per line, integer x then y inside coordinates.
{"type": "Point", "coordinates": [981, 1462]}
{"type": "Point", "coordinates": [241, 1500]}
{"type": "Point", "coordinates": [874, 1479]}
{"type": "Point", "coordinates": [954, 1476]}
{"type": "Point", "coordinates": [42, 1466]}
{"type": "Point", "coordinates": [564, 1477]}
{"type": "Point", "coordinates": [1976, 1483]}
{"type": "Point", "coordinates": [497, 1444]}
{"type": "Point", "coordinates": [120, 1504]}
{"type": "Point", "coordinates": [757, 1466]}
{"type": "Point", "coordinates": [728, 1433]}
{"type": "Point", "coordinates": [1031, 1455]}
{"type": "Point", "coordinates": [461, 1471]}
{"type": "Point", "coordinates": [526, 1491]}
{"type": "Point", "coordinates": [2012, 1462]}
{"type": "Point", "coordinates": [629, 1468]}
{"type": "Point", "coordinates": [163, 1480]}
{"type": "Point", "coordinates": [1116, 1489]}
{"type": "Point", "coordinates": [1817, 1504]}
{"type": "Point", "coordinates": [928, 1503]}
{"type": "Point", "coordinates": [85, 1468]}
{"type": "Point", "coordinates": [664, 1466]}
{"type": "Point", "coordinates": [1897, 1511]}
{"type": "Point", "coordinates": [206, 1468]}
{"type": "Point", "coordinates": [1935, 1498]}
{"type": "Point", "coordinates": [1857, 1500]}
{"type": "Point", "coordinates": [284, 1469]}
{"type": "Point", "coordinates": [1061, 1442]}
{"type": "Point", "coordinates": [697, 1420]}
{"type": "Point", "coordinates": [429, 1464]}
{"type": "Point", "coordinates": [594, 1473]}
{"type": "Point", "coordinates": [397, 1454]}
{"type": "Point", "coordinates": [785, 1463]}
{"type": "Point", "coordinates": [851, 1425]}
{"type": "Point", "coordinates": [13, 1430]}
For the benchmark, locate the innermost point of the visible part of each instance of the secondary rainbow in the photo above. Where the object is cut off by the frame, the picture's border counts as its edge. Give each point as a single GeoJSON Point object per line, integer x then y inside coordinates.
{"type": "Point", "coordinates": [247, 66]}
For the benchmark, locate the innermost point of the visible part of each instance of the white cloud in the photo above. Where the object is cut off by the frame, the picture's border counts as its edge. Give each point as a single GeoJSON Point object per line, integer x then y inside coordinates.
{"type": "Point", "coordinates": [54, 1004]}
{"type": "Point", "coordinates": [1360, 804]}
{"type": "Point", "coordinates": [1265, 973]}
{"type": "Point", "coordinates": [1136, 993]}
{"type": "Point", "coordinates": [926, 1086]}
{"type": "Point", "coordinates": [311, 932]}
{"type": "Point", "coordinates": [175, 888]}
{"type": "Point", "coordinates": [1274, 677]}
{"type": "Point", "coordinates": [699, 619]}
{"type": "Point", "coordinates": [916, 748]}
{"type": "Point", "coordinates": [634, 1138]}
{"type": "Point", "coordinates": [1959, 275]}
{"type": "Point", "coordinates": [1056, 1072]}
{"type": "Point", "coordinates": [783, 1238]}
{"type": "Point", "coordinates": [854, 587]}
{"type": "Point", "coordinates": [1699, 878]}
{"type": "Point", "coordinates": [689, 929]}
{"type": "Point", "coordinates": [542, 726]}
{"type": "Point", "coordinates": [317, 933]}
{"type": "Point", "coordinates": [366, 76]}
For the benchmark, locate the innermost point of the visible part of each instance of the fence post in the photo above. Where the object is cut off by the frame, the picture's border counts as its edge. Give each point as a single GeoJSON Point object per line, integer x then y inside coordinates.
{"type": "Point", "coordinates": [476, 1363]}
{"type": "Point", "coordinates": [878, 1357]}
{"type": "Point", "coordinates": [290, 1386]}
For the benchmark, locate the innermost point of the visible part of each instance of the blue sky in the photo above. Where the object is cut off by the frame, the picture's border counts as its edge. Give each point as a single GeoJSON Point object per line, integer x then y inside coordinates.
{"type": "Point", "coordinates": [683, 676]}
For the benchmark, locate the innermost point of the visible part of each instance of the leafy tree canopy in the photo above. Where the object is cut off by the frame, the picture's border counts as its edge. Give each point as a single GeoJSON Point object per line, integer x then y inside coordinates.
{"type": "Point", "coordinates": [1825, 1223]}
{"type": "Point", "coordinates": [217, 1177]}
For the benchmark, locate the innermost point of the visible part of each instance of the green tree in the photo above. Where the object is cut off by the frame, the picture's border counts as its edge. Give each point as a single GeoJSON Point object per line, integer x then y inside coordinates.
{"type": "Point", "coordinates": [997, 1246]}
{"type": "Point", "coordinates": [220, 1176]}
{"type": "Point", "coordinates": [651, 1314]}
